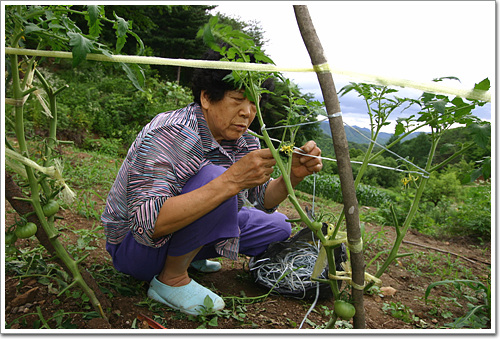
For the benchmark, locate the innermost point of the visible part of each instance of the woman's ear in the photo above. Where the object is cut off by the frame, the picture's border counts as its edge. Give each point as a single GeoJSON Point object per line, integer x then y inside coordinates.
{"type": "Point", "coordinates": [204, 99]}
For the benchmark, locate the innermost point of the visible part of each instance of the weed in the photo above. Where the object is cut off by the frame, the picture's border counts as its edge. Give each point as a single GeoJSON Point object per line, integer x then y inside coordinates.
{"type": "Point", "coordinates": [400, 311]}
{"type": "Point", "coordinates": [478, 300]}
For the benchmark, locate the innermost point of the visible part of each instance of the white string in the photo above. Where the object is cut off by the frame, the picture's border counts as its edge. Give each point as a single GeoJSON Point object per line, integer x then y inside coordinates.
{"type": "Point", "coordinates": [421, 171]}
{"type": "Point", "coordinates": [388, 150]}
{"type": "Point", "coordinates": [312, 306]}
{"type": "Point", "coordinates": [335, 115]}
{"type": "Point", "coordinates": [301, 152]}
{"type": "Point", "coordinates": [296, 125]}
{"type": "Point", "coordinates": [314, 191]}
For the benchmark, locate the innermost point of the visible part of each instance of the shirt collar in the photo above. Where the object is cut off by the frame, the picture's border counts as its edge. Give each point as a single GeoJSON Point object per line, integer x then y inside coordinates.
{"type": "Point", "coordinates": [208, 141]}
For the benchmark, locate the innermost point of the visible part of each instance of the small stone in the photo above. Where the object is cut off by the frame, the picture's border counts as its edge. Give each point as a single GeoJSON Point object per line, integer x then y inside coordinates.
{"type": "Point", "coordinates": [26, 297]}
{"type": "Point", "coordinates": [388, 291]}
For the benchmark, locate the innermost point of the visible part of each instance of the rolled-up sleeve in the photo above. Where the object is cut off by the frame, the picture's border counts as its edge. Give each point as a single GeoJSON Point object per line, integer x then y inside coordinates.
{"type": "Point", "coordinates": [165, 160]}
{"type": "Point", "coordinates": [256, 196]}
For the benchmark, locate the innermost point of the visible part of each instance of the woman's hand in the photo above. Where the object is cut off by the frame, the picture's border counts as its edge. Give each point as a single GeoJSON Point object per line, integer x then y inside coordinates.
{"type": "Point", "coordinates": [304, 165]}
{"type": "Point", "coordinates": [252, 170]}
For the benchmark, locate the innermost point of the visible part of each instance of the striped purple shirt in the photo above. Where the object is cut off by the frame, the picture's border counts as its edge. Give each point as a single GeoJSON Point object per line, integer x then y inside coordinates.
{"type": "Point", "coordinates": [168, 151]}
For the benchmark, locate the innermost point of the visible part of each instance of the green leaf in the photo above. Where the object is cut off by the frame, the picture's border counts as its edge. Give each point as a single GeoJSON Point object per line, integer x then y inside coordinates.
{"type": "Point", "coordinates": [29, 28]}
{"type": "Point", "coordinates": [135, 74]}
{"type": "Point", "coordinates": [121, 26]}
{"type": "Point", "coordinates": [442, 78]}
{"type": "Point", "coordinates": [213, 322]}
{"type": "Point", "coordinates": [208, 303]}
{"type": "Point", "coordinates": [481, 134]}
{"type": "Point", "coordinates": [94, 12]}
{"type": "Point", "coordinates": [81, 47]}
{"type": "Point", "coordinates": [486, 168]}
{"type": "Point", "coordinates": [483, 85]}
{"type": "Point", "coordinates": [206, 33]}
{"type": "Point", "coordinates": [439, 106]}
{"type": "Point", "coordinates": [463, 321]}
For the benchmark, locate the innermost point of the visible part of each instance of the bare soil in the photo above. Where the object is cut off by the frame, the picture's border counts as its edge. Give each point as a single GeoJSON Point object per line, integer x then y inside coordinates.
{"type": "Point", "coordinates": [28, 297]}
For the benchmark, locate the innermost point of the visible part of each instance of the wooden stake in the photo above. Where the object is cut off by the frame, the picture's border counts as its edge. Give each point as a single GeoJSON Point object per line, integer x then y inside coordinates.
{"type": "Point", "coordinates": [341, 147]}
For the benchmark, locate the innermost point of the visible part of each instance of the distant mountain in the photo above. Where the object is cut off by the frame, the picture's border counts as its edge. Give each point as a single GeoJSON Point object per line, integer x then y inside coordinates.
{"type": "Point", "coordinates": [354, 134]}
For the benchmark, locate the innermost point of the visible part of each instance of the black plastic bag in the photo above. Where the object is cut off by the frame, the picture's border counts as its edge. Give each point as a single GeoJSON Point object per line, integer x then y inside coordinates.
{"type": "Point", "coordinates": [295, 256]}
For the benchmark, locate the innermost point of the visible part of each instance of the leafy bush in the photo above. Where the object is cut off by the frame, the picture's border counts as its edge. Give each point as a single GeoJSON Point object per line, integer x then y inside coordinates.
{"type": "Point", "coordinates": [466, 212]}
{"type": "Point", "coordinates": [110, 146]}
{"type": "Point", "coordinates": [473, 217]}
{"type": "Point", "coordinates": [101, 101]}
{"type": "Point", "coordinates": [440, 186]}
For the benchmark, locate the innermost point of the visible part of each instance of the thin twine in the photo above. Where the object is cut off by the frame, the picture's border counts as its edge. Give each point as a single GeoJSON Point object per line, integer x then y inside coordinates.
{"type": "Point", "coordinates": [312, 306]}
{"type": "Point", "coordinates": [314, 191]}
{"type": "Point", "coordinates": [388, 150]}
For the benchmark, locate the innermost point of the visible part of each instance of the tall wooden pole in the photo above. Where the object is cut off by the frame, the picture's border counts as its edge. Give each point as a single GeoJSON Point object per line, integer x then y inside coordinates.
{"type": "Point", "coordinates": [341, 147]}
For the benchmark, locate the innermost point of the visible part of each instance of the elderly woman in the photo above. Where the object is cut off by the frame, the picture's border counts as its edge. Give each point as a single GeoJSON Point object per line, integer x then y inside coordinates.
{"type": "Point", "coordinates": [178, 197]}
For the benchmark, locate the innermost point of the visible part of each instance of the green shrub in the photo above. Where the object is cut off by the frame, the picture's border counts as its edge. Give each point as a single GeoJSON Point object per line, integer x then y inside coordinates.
{"type": "Point", "coordinates": [102, 102]}
{"type": "Point", "coordinates": [441, 185]}
{"type": "Point", "coordinates": [109, 146]}
{"type": "Point", "coordinates": [473, 216]}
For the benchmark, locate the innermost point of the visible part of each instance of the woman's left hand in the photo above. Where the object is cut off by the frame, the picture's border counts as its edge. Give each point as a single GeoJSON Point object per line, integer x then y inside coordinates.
{"type": "Point", "coordinates": [304, 165]}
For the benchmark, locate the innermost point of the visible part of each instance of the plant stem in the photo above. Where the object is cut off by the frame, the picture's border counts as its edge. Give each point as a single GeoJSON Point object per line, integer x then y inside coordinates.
{"type": "Point", "coordinates": [411, 214]}
{"type": "Point", "coordinates": [48, 226]}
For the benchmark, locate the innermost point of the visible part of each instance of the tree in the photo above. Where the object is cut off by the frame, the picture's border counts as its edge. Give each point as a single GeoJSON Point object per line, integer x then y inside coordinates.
{"type": "Point", "coordinates": [441, 186]}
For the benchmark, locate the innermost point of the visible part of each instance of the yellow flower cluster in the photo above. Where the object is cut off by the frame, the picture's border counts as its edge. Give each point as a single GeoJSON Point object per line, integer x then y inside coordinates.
{"type": "Point", "coordinates": [287, 149]}
{"type": "Point", "coordinates": [410, 178]}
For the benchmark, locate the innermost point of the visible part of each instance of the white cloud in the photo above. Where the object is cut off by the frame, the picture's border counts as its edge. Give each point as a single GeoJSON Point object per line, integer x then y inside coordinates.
{"type": "Point", "coordinates": [414, 40]}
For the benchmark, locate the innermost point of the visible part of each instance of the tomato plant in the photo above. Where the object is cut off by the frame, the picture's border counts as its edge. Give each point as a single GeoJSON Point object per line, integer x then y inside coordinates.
{"type": "Point", "coordinates": [50, 28]}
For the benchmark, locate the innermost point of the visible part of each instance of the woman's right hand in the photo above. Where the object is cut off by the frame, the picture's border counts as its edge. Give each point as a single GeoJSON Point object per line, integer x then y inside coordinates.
{"type": "Point", "coordinates": [252, 170]}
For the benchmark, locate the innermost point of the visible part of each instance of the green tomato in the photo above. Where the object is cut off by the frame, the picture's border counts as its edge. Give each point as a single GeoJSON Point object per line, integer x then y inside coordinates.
{"type": "Point", "coordinates": [316, 225]}
{"type": "Point", "coordinates": [344, 310]}
{"type": "Point", "coordinates": [10, 238]}
{"type": "Point", "coordinates": [50, 208]}
{"type": "Point", "coordinates": [10, 250]}
{"type": "Point", "coordinates": [26, 231]}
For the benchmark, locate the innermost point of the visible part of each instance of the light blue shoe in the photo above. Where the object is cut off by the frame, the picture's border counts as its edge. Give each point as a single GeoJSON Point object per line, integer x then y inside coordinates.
{"type": "Point", "coordinates": [188, 299]}
{"type": "Point", "coordinates": [206, 266]}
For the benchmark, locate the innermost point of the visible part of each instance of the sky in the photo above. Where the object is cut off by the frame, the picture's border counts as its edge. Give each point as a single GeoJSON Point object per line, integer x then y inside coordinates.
{"type": "Point", "coordinates": [413, 40]}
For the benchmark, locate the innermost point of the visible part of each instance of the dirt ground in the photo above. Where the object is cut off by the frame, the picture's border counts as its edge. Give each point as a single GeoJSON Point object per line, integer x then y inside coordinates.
{"type": "Point", "coordinates": [27, 297]}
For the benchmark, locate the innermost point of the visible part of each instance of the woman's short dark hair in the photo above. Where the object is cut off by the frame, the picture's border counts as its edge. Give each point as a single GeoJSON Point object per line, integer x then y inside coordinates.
{"type": "Point", "coordinates": [211, 81]}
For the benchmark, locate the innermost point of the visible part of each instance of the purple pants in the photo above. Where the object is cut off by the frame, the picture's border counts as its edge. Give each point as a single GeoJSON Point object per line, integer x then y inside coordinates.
{"type": "Point", "coordinates": [255, 229]}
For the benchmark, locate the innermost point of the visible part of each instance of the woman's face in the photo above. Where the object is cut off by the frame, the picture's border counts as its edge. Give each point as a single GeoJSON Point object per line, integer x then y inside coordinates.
{"type": "Point", "coordinates": [230, 117]}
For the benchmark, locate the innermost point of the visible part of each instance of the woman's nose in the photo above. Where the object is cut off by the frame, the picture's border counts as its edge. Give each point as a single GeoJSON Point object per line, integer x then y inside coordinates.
{"type": "Point", "coordinates": [247, 108]}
